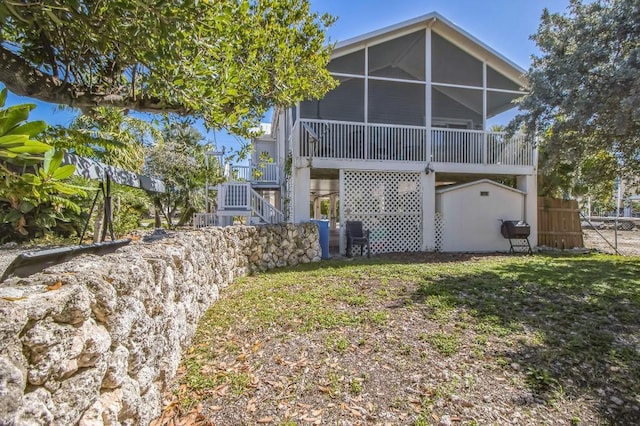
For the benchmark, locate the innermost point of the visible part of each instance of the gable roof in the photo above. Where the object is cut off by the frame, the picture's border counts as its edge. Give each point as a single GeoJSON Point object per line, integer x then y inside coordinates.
{"type": "Point", "coordinates": [474, 183]}
{"type": "Point", "coordinates": [445, 28]}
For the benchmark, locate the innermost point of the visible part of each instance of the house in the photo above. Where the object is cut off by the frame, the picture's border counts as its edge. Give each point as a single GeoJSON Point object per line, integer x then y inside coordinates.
{"type": "Point", "coordinates": [411, 116]}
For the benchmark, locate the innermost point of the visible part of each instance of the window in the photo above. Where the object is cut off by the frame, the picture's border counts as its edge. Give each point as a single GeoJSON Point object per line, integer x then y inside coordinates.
{"type": "Point", "coordinates": [496, 80]}
{"type": "Point", "coordinates": [452, 65]}
{"type": "Point", "coordinates": [401, 58]}
{"type": "Point", "coordinates": [345, 103]}
{"type": "Point", "coordinates": [393, 102]}
{"type": "Point", "coordinates": [352, 63]}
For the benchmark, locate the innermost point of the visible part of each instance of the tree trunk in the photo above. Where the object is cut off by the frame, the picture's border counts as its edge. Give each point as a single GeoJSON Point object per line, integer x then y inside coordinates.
{"type": "Point", "coordinates": [24, 79]}
{"type": "Point", "coordinates": [97, 224]}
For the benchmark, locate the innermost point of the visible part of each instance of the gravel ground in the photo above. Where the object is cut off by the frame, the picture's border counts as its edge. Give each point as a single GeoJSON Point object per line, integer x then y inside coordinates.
{"type": "Point", "coordinates": [628, 241]}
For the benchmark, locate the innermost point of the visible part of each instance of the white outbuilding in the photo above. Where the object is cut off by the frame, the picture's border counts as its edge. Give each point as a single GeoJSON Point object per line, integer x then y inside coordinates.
{"type": "Point", "coordinates": [470, 215]}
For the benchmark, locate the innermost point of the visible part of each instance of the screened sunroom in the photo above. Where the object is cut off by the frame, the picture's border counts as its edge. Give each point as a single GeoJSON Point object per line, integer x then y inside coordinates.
{"type": "Point", "coordinates": [420, 93]}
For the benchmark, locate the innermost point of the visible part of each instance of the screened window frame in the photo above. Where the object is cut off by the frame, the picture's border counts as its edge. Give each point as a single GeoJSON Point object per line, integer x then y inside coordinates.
{"type": "Point", "coordinates": [428, 82]}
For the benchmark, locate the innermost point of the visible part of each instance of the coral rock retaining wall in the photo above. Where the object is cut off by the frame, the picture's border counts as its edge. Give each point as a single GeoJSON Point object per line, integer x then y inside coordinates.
{"type": "Point", "coordinates": [105, 345]}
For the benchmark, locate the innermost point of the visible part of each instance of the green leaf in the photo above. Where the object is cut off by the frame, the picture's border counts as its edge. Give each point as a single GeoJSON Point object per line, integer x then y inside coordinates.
{"type": "Point", "coordinates": [63, 172]}
{"type": "Point", "coordinates": [12, 216]}
{"type": "Point", "coordinates": [25, 207]}
{"type": "Point", "coordinates": [31, 179]}
{"type": "Point", "coordinates": [31, 147]}
{"type": "Point", "coordinates": [13, 116]}
{"type": "Point", "coordinates": [3, 96]}
{"type": "Point", "coordinates": [52, 160]}
{"type": "Point", "coordinates": [30, 129]}
{"type": "Point", "coordinates": [12, 141]}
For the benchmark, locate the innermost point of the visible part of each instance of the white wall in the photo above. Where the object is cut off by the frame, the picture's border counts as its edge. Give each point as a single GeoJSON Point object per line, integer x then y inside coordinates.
{"type": "Point", "coordinates": [471, 221]}
{"type": "Point", "coordinates": [262, 145]}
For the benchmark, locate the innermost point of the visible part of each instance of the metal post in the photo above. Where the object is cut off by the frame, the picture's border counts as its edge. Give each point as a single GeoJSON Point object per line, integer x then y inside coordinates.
{"type": "Point", "coordinates": [107, 225]}
{"type": "Point", "coordinates": [206, 184]}
{"type": "Point", "coordinates": [615, 230]}
{"type": "Point", "coordinates": [86, 225]}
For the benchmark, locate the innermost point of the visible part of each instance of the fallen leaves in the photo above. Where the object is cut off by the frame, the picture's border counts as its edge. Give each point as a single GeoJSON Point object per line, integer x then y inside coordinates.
{"type": "Point", "coordinates": [172, 415]}
{"type": "Point", "coordinates": [55, 286]}
{"type": "Point", "coordinates": [13, 299]}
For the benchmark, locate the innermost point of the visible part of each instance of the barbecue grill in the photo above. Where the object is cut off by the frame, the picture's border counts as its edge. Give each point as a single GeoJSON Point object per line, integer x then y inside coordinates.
{"type": "Point", "coordinates": [517, 232]}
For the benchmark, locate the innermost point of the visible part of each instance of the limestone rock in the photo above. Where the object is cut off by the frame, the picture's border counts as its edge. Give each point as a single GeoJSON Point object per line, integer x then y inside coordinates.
{"type": "Point", "coordinates": [36, 409]}
{"type": "Point", "coordinates": [104, 346]}
{"type": "Point", "coordinates": [77, 393]}
{"type": "Point", "coordinates": [116, 368]}
{"type": "Point", "coordinates": [12, 385]}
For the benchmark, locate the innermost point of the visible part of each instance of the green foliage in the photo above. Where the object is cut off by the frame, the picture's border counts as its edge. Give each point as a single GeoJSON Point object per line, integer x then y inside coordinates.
{"type": "Point", "coordinates": [33, 197]}
{"type": "Point", "coordinates": [16, 135]}
{"type": "Point", "coordinates": [109, 135]}
{"type": "Point", "coordinates": [130, 206]}
{"type": "Point", "coordinates": [112, 136]}
{"type": "Point", "coordinates": [179, 160]}
{"type": "Point", "coordinates": [32, 203]}
{"type": "Point", "coordinates": [226, 61]}
{"type": "Point", "coordinates": [593, 175]}
{"type": "Point", "coordinates": [583, 89]}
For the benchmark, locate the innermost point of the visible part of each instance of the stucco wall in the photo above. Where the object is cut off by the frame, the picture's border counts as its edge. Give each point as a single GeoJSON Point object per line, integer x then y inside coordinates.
{"type": "Point", "coordinates": [470, 219]}
{"type": "Point", "coordinates": [97, 340]}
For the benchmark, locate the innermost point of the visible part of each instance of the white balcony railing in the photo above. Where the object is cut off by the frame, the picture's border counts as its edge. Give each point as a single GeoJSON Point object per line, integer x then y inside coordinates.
{"type": "Point", "coordinates": [259, 173]}
{"type": "Point", "coordinates": [233, 196]}
{"type": "Point", "coordinates": [241, 197]}
{"type": "Point", "coordinates": [263, 209]}
{"type": "Point", "coordinates": [359, 141]}
{"type": "Point", "coordinates": [201, 220]}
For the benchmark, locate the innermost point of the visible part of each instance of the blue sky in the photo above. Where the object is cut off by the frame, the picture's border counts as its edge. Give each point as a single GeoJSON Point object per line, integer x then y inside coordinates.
{"type": "Point", "coordinates": [505, 25]}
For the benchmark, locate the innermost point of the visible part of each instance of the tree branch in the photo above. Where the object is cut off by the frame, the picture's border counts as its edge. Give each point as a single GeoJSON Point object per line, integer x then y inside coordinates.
{"type": "Point", "coordinates": [23, 79]}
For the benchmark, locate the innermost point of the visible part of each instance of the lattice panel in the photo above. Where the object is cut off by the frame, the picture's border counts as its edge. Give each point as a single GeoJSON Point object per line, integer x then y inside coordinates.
{"type": "Point", "coordinates": [387, 203]}
{"type": "Point", "coordinates": [438, 231]}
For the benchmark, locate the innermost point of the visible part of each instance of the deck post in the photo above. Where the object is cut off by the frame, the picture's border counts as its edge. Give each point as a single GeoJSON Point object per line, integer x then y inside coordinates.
{"type": "Point", "coordinates": [333, 208]}
{"type": "Point", "coordinates": [302, 194]}
{"type": "Point", "coordinates": [528, 184]}
{"type": "Point", "coordinates": [427, 96]}
{"type": "Point", "coordinates": [316, 207]}
{"type": "Point", "coordinates": [341, 241]}
{"type": "Point", "coordinates": [428, 185]}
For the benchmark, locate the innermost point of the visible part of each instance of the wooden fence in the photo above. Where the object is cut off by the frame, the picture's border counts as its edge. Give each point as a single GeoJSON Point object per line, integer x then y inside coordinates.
{"type": "Point", "coordinates": [559, 223]}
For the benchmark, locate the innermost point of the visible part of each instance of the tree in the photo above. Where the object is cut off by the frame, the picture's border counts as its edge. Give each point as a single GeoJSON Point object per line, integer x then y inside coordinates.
{"type": "Point", "coordinates": [114, 137]}
{"type": "Point", "coordinates": [584, 88]}
{"type": "Point", "coordinates": [109, 135]}
{"type": "Point", "coordinates": [178, 159]}
{"type": "Point", "coordinates": [33, 196]}
{"type": "Point", "coordinates": [226, 61]}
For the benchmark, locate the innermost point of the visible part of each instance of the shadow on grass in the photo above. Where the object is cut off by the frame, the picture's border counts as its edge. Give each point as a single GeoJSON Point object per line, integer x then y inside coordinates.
{"type": "Point", "coordinates": [340, 262]}
{"type": "Point", "coordinates": [585, 312]}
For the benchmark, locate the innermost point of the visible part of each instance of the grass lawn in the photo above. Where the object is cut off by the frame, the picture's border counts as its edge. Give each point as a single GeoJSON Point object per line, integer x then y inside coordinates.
{"type": "Point", "coordinates": [421, 339]}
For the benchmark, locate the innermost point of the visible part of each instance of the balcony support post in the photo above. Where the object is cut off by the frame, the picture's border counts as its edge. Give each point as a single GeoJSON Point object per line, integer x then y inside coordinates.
{"type": "Point", "coordinates": [427, 97]}
{"type": "Point", "coordinates": [301, 194]}
{"type": "Point", "coordinates": [484, 112]}
{"type": "Point", "coordinates": [529, 184]}
{"type": "Point", "coordinates": [428, 185]}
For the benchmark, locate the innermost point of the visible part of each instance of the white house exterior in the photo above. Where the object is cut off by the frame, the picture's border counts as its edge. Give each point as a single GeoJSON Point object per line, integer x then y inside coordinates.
{"type": "Point", "coordinates": [410, 116]}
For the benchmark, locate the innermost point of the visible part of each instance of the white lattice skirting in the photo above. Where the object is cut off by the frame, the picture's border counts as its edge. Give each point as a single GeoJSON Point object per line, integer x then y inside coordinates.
{"type": "Point", "coordinates": [389, 204]}
{"type": "Point", "coordinates": [438, 231]}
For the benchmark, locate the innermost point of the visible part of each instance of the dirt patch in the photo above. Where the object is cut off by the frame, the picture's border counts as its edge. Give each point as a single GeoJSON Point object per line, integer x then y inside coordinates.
{"type": "Point", "coordinates": [604, 241]}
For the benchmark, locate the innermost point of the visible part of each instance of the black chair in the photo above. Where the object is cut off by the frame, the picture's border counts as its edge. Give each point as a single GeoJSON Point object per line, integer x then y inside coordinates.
{"type": "Point", "coordinates": [356, 236]}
